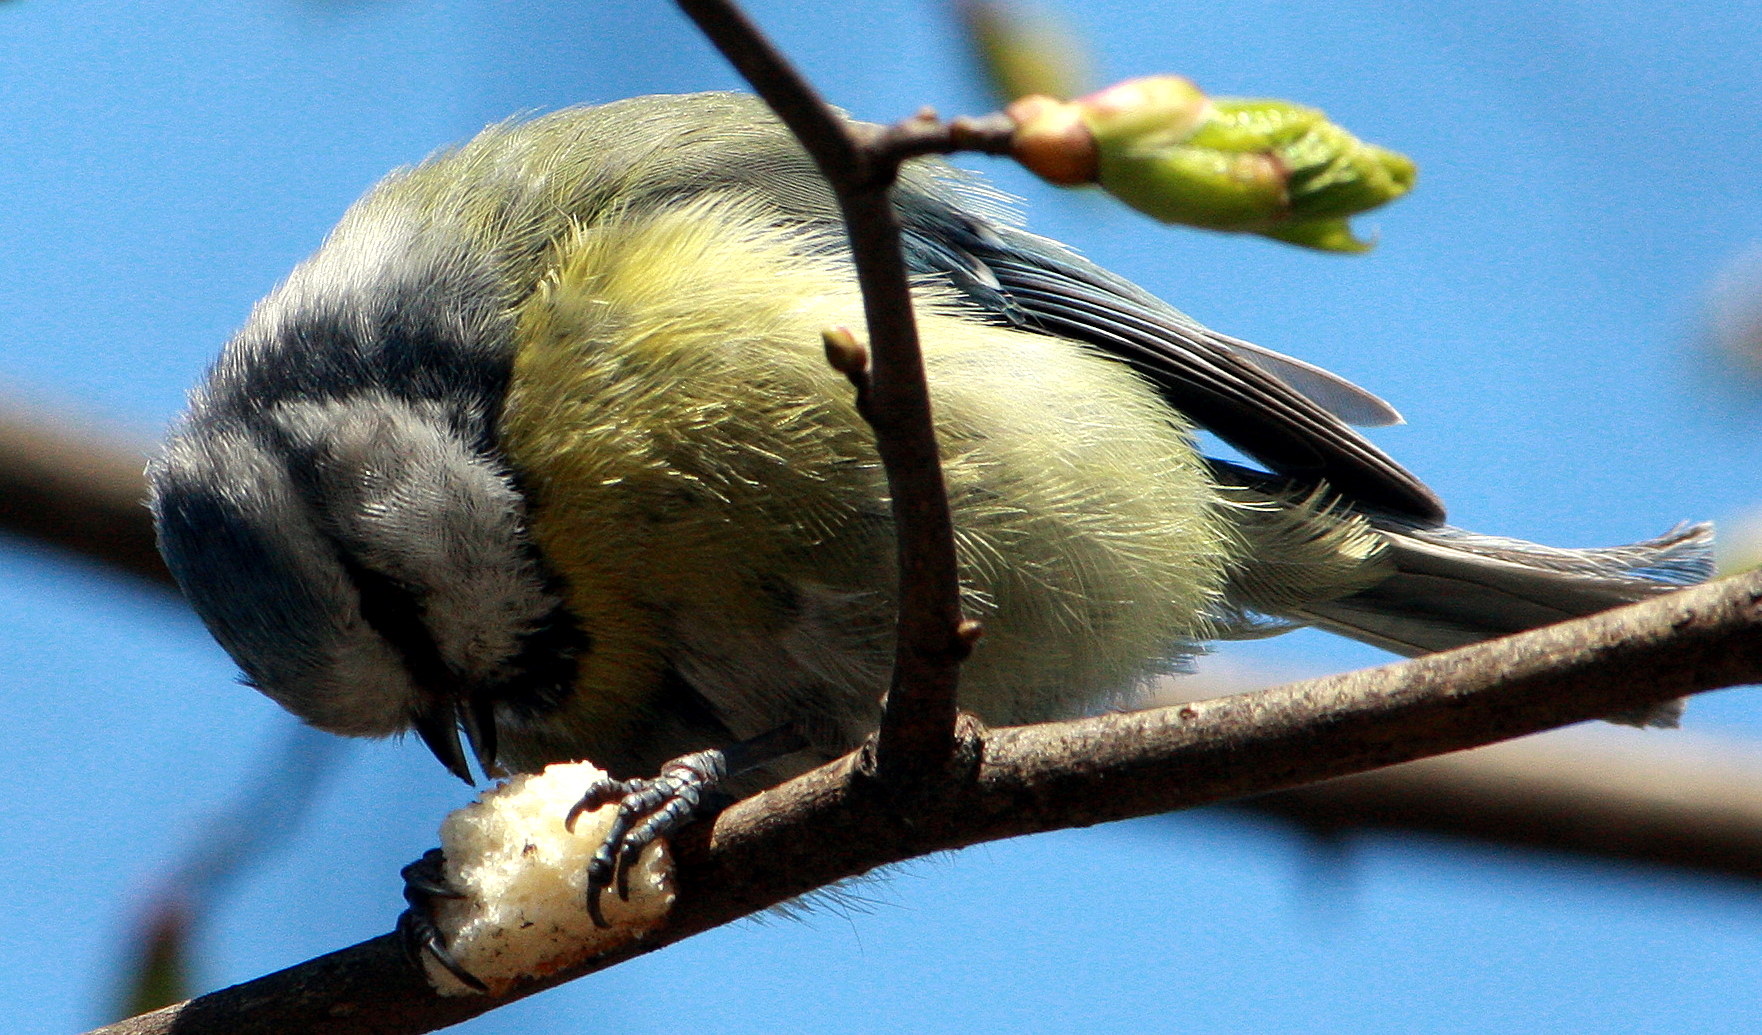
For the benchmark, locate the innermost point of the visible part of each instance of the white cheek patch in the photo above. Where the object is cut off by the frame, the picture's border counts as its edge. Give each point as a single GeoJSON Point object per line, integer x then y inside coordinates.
{"type": "Point", "coordinates": [266, 580]}
{"type": "Point", "coordinates": [399, 491]}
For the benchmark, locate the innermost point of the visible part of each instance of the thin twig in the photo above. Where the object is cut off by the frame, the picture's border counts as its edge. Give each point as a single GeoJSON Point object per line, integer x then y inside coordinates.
{"type": "Point", "coordinates": [917, 722]}
{"type": "Point", "coordinates": [830, 824]}
{"type": "Point", "coordinates": [925, 134]}
{"type": "Point", "coordinates": [820, 129]}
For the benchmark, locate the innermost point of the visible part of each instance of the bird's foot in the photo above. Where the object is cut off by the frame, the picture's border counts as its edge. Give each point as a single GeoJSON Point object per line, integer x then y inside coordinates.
{"type": "Point", "coordinates": [648, 810]}
{"type": "Point", "coordinates": [424, 881]}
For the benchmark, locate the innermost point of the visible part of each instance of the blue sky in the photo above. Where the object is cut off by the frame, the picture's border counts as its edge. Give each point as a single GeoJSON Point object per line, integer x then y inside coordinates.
{"type": "Point", "coordinates": [1534, 309]}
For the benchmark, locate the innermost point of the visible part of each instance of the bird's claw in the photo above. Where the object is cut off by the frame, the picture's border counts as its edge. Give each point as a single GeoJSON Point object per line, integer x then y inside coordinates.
{"type": "Point", "coordinates": [648, 810]}
{"type": "Point", "coordinates": [424, 881]}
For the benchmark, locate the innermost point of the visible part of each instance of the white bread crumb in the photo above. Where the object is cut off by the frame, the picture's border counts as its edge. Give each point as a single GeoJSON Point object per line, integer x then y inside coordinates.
{"type": "Point", "coordinates": [524, 878]}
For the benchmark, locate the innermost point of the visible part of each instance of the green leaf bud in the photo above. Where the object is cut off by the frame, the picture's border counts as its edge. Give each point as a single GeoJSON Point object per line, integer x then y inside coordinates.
{"type": "Point", "coordinates": [1265, 167]}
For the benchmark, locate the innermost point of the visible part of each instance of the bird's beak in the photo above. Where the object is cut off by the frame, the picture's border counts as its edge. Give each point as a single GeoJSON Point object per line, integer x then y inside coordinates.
{"type": "Point", "coordinates": [439, 729]}
{"type": "Point", "coordinates": [439, 726]}
{"type": "Point", "coordinates": [477, 714]}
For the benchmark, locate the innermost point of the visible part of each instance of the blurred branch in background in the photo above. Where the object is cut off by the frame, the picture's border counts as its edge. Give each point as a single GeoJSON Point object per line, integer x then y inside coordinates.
{"type": "Point", "coordinates": [1656, 798]}
{"type": "Point", "coordinates": [64, 485]}
{"type": "Point", "coordinates": [1676, 801]}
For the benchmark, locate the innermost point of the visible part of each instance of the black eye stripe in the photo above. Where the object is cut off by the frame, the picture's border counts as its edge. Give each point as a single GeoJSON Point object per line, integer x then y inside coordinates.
{"type": "Point", "coordinates": [393, 612]}
{"type": "Point", "coordinates": [540, 677]}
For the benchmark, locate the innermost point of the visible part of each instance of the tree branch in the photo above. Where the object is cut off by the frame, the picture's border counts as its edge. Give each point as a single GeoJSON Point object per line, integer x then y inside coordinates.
{"type": "Point", "coordinates": [831, 823]}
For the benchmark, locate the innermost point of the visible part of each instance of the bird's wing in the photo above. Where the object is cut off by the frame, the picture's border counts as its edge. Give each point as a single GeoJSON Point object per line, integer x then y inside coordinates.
{"type": "Point", "coordinates": [1330, 391]}
{"type": "Point", "coordinates": [1282, 412]}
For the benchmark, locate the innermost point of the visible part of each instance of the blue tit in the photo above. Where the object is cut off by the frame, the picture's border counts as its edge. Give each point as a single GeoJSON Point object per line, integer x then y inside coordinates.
{"type": "Point", "coordinates": [541, 448]}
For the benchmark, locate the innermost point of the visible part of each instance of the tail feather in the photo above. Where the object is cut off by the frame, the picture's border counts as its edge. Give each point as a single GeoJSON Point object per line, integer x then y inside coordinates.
{"type": "Point", "coordinates": [1451, 587]}
{"type": "Point", "coordinates": [1415, 589]}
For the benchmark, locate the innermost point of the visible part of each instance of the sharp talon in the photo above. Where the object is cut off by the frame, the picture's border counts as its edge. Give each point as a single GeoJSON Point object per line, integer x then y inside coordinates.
{"type": "Point", "coordinates": [596, 795]}
{"type": "Point", "coordinates": [436, 949]}
{"type": "Point", "coordinates": [425, 880]}
{"type": "Point", "coordinates": [575, 813]}
{"type": "Point", "coordinates": [431, 890]}
{"type": "Point", "coordinates": [594, 912]}
{"type": "Point", "coordinates": [599, 874]}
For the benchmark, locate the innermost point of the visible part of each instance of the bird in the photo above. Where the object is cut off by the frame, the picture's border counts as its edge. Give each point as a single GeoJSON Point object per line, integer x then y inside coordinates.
{"type": "Point", "coordinates": [540, 449]}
